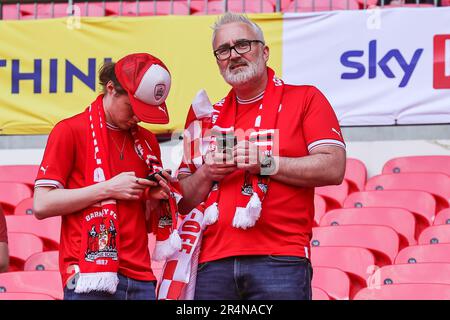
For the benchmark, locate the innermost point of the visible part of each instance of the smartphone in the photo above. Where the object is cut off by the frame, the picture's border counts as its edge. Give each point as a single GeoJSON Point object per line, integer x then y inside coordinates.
{"type": "Point", "coordinates": [225, 141]}
{"type": "Point", "coordinates": [152, 177]}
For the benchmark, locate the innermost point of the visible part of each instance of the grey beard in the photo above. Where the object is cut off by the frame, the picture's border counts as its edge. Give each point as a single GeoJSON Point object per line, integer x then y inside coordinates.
{"type": "Point", "coordinates": [254, 71]}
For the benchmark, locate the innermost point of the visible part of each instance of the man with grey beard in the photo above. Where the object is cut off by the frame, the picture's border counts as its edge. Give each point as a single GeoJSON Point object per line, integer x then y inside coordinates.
{"type": "Point", "coordinates": [257, 195]}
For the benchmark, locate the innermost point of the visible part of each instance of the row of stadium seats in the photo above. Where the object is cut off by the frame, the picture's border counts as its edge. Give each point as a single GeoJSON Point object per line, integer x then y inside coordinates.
{"type": "Point", "coordinates": [181, 7]}
{"type": "Point", "coordinates": [27, 236]}
{"type": "Point", "coordinates": [14, 177]}
{"type": "Point", "coordinates": [370, 242]}
{"type": "Point", "coordinates": [340, 272]}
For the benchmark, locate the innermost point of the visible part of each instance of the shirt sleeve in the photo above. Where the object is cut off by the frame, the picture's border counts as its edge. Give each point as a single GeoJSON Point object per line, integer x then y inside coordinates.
{"type": "Point", "coordinates": [320, 124]}
{"type": "Point", "coordinates": [3, 230]}
{"type": "Point", "coordinates": [57, 162]}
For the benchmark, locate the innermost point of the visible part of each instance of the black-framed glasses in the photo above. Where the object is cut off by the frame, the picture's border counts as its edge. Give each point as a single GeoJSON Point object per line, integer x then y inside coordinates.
{"type": "Point", "coordinates": [241, 47]}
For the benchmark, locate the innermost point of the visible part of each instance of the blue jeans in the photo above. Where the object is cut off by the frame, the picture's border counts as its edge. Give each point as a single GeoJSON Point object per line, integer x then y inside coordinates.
{"type": "Point", "coordinates": [127, 289]}
{"type": "Point", "coordinates": [255, 278]}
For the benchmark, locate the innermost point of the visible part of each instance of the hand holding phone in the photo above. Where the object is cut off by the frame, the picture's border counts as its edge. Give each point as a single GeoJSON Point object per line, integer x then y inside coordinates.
{"type": "Point", "coordinates": [152, 177]}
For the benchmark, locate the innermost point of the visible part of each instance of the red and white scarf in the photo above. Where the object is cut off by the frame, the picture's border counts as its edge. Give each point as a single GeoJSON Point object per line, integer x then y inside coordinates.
{"type": "Point", "coordinates": [100, 240]}
{"type": "Point", "coordinates": [181, 267]}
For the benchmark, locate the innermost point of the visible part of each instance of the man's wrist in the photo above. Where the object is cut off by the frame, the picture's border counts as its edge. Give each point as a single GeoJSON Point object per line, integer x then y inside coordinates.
{"type": "Point", "coordinates": [268, 165]}
{"type": "Point", "coordinates": [203, 174]}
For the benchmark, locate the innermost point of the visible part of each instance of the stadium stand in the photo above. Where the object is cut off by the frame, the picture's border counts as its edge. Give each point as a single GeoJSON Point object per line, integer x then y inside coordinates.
{"type": "Point", "coordinates": [438, 184]}
{"type": "Point", "coordinates": [11, 193]}
{"type": "Point", "coordinates": [24, 207]}
{"type": "Point", "coordinates": [48, 229]}
{"type": "Point", "coordinates": [387, 237]}
{"type": "Point", "coordinates": [418, 164]}
{"type": "Point", "coordinates": [319, 294]}
{"type": "Point", "coordinates": [435, 234]}
{"type": "Point", "coordinates": [217, 7]}
{"type": "Point", "coordinates": [412, 273]}
{"type": "Point", "coordinates": [43, 282]}
{"type": "Point", "coordinates": [443, 217]}
{"type": "Point", "coordinates": [42, 261]}
{"type": "Point", "coordinates": [335, 282]}
{"type": "Point", "coordinates": [322, 5]}
{"type": "Point", "coordinates": [355, 175]}
{"type": "Point", "coordinates": [410, 291]}
{"type": "Point", "coordinates": [24, 296]}
{"type": "Point", "coordinates": [14, 10]}
{"type": "Point", "coordinates": [381, 240]}
{"type": "Point", "coordinates": [357, 262]}
{"type": "Point", "coordinates": [401, 220]}
{"type": "Point", "coordinates": [320, 208]}
{"type": "Point", "coordinates": [420, 203]}
{"type": "Point", "coordinates": [21, 247]}
{"type": "Point", "coordinates": [19, 173]}
{"type": "Point", "coordinates": [424, 253]}
{"type": "Point", "coordinates": [334, 195]}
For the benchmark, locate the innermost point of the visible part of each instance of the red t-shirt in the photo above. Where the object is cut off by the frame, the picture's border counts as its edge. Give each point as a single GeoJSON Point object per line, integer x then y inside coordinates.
{"type": "Point", "coordinates": [63, 166]}
{"type": "Point", "coordinates": [305, 121]}
{"type": "Point", "coordinates": [3, 230]}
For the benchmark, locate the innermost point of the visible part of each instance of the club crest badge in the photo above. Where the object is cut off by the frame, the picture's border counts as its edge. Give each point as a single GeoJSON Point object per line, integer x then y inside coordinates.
{"type": "Point", "coordinates": [102, 242]}
{"type": "Point", "coordinates": [160, 90]}
{"type": "Point", "coordinates": [247, 190]}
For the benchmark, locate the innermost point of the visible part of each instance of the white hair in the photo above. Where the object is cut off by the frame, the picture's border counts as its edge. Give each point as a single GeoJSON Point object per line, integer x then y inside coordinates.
{"type": "Point", "coordinates": [231, 17]}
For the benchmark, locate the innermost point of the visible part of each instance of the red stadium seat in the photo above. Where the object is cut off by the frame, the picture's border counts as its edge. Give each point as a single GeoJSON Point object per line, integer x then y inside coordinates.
{"type": "Point", "coordinates": [239, 6]}
{"type": "Point", "coordinates": [48, 230]}
{"type": "Point", "coordinates": [358, 263]}
{"type": "Point", "coordinates": [438, 184]}
{"type": "Point", "coordinates": [10, 11]}
{"type": "Point", "coordinates": [41, 261]}
{"type": "Point", "coordinates": [401, 220]}
{"type": "Point", "coordinates": [334, 195]}
{"type": "Point", "coordinates": [424, 253]}
{"type": "Point", "coordinates": [284, 4]}
{"type": "Point", "coordinates": [11, 193]}
{"type": "Point", "coordinates": [319, 294]}
{"type": "Point", "coordinates": [99, 9]}
{"type": "Point", "coordinates": [45, 282]}
{"type": "Point", "coordinates": [24, 207]}
{"type": "Point", "coordinates": [382, 240]}
{"type": "Point", "coordinates": [411, 273]}
{"type": "Point", "coordinates": [409, 291]}
{"type": "Point", "coordinates": [24, 296]}
{"type": "Point", "coordinates": [320, 208]}
{"type": "Point", "coordinates": [335, 282]}
{"type": "Point", "coordinates": [443, 217]}
{"type": "Point", "coordinates": [21, 247]}
{"type": "Point", "coordinates": [19, 173]}
{"type": "Point", "coordinates": [418, 164]}
{"type": "Point", "coordinates": [355, 175]}
{"type": "Point", "coordinates": [420, 203]}
{"type": "Point", "coordinates": [367, 4]}
{"type": "Point", "coordinates": [435, 234]}
{"type": "Point", "coordinates": [322, 5]}
{"type": "Point", "coordinates": [153, 8]}
{"type": "Point", "coordinates": [409, 5]}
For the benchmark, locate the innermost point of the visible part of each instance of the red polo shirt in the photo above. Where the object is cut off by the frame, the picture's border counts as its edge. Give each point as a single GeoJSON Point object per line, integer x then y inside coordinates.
{"type": "Point", "coordinates": [306, 120]}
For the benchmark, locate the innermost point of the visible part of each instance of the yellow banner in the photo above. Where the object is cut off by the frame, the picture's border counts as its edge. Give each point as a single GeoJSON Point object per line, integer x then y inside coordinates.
{"type": "Point", "coordinates": [49, 68]}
